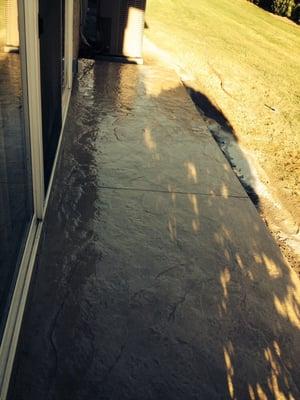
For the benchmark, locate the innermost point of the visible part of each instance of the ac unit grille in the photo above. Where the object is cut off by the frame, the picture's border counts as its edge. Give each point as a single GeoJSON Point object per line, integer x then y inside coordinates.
{"type": "Point", "coordinates": [2, 23]}
{"type": "Point", "coordinates": [137, 25]}
{"type": "Point", "coordinates": [126, 26]}
{"type": "Point", "coordinates": [125, 6]}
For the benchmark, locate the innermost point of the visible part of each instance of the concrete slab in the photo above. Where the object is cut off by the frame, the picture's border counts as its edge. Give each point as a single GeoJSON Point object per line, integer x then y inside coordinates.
{"type": "Point", "coordinates": [153, 292]}
{"type": "Point", "coordinates": [147, 134]}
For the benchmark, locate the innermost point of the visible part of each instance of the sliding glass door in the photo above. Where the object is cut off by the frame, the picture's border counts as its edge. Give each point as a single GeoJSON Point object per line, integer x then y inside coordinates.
{"type": "Point", "coordinates": [35, 82]}
{"type": "Point", "coordinates": [50, 14]}
{"type": "Point", "coordinates": [16, 190]}
{"type": "Point", "coordinates": [55, 73]}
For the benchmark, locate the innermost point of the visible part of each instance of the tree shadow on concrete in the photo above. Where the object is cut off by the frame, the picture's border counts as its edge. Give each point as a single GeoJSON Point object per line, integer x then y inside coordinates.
{"type": "Point", "coordinates": [156, 278]}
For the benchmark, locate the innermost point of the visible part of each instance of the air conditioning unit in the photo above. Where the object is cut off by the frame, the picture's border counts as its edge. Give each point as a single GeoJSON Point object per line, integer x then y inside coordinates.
{"type": "Point", "coordinates": [121, 27]}
{"type": "Point", "coordinates": [12, 29]}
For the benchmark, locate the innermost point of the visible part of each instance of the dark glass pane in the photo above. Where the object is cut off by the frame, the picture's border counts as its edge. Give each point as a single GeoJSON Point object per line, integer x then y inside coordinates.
{"type": "Point", "coordinates": [16, 208]}
{"type": "Point", "coordinates": [51, 79]}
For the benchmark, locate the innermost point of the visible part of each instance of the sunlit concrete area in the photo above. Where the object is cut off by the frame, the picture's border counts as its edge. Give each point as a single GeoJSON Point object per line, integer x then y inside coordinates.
{"type": "Point", "coordinates": [155, 277]}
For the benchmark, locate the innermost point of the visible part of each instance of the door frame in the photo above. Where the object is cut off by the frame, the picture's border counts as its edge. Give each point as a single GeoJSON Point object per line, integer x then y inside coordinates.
{"type": "Point", "coordinates": [30, 64]}
{"type": "Point", "coordinates": [66, 95]}
{"type": "Point", "coordinates": [68, 44]}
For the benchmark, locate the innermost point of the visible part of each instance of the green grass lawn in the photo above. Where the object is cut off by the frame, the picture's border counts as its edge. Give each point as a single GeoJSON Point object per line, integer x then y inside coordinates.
{"type": "Point", "coordinates": [247, 61]}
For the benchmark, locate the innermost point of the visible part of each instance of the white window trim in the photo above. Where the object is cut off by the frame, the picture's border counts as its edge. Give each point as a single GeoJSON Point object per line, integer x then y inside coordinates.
{"type": "Point", "coordinates": [32, 48]}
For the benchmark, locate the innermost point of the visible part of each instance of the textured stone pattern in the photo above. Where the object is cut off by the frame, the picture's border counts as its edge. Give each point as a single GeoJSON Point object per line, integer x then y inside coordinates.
{"type": "Point", "coordinates": [155, 278]}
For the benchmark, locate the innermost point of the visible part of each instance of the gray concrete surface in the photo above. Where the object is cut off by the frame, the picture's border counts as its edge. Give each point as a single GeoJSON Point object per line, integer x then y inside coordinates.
{"type": "Point", "coordinates": [156, 278]}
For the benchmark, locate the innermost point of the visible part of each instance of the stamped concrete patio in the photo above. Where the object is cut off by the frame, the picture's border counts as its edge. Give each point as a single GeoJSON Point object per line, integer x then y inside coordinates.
{"type": "Point", "coordinates": [156, 278]}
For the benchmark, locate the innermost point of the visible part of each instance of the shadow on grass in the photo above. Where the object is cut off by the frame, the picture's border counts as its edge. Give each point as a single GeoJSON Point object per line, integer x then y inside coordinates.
{"type": "Point", "coordinates": [209, 110]}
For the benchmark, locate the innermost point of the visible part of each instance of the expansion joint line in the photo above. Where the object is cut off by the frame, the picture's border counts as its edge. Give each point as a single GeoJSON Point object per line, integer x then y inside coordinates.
{"type": "Point", "coordinates": [132, 189]}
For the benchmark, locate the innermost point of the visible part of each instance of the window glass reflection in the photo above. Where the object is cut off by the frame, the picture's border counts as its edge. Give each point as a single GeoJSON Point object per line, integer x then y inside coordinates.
{"type": "Point", "coordinates": [16, 208]}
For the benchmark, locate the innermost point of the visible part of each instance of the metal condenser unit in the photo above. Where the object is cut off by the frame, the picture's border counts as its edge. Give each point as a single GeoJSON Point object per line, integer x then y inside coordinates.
{"type": "Point", "coordinates": [121, 27]}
